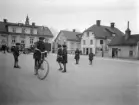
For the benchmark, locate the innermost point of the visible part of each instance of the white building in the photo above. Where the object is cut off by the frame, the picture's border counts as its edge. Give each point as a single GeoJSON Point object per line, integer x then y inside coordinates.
{"type": "Point", "coordinates": [69, 38]}
{"type": "Point", "coordinates": [25, 34]}
{"type": "Point", "coordinates": [97, 37]}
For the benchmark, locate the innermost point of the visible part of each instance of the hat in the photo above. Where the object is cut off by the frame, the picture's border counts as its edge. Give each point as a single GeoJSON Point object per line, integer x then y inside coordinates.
{"type": "Point", "coordinates": [17, 43]}
{"type": "Point", "coordinates": [64, 46]}
{"type": "Point", "coordinates": [41, 38]}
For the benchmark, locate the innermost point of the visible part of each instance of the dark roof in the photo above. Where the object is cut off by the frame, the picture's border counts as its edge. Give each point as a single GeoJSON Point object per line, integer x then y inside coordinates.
{"type": "Point", "coordinates": [3, 27]}
{"type": "Point", "coordinates": [104, 31]}
{"type": "Point", "coordinates": [122, 41]}
{"type": "Point", "coordinates": [44, 31]}
{"type": "Point", "coordinates": [70, 35]}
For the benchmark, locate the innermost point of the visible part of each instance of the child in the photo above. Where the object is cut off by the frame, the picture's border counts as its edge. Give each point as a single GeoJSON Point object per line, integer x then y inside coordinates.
{"type": "Point", "coordinates": [64, 57]}
{"type": "Point", "coordinates": [16, 55]}
{"type": "Point", "coordinates": [91, 56]}
{"type": "Point", "coordinates": [77, 55]}
{"type": "Point", "coordinates": [59, 56]}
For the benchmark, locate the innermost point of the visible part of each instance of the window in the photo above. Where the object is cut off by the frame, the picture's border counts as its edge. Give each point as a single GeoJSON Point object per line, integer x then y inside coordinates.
{"type": "Point", "coordinates": [31, 40]}
{"type": "Point", "coordinates": [83, 42]}
{"type": "Point", "coordinates": [87, 34]}
{"type": "Point", "coordinates": [91, 41]}
{"type": "Point", "coordinates": [14, 29]}
{"type": "Point", "coordinates": [83, 50]}
{"type": "Point", "coordinates": [31, 30]}
{"type": "Point", "coordinates": [22, 41]}
{"type": "Point", "coordinates": [90, 50]}
{"type": "Point", "coordinates": [23, 30]}
{"type": "Point", "coordinates": [13, 40]}
{"type": "Point", "coordinates": [101, 41]}
{"type": "Point", "coordinates": [130, 53]}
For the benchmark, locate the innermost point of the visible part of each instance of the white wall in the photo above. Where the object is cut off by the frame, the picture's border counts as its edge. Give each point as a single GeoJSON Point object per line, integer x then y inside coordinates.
{"type": "Point", "coordinates": [87, 41]}
{"type": "Point", "coordinates": [124, 53]}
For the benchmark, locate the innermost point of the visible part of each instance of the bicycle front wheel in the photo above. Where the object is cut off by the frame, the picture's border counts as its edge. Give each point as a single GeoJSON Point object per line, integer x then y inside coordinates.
{"type": "Point", "coordinates": [43, 70]}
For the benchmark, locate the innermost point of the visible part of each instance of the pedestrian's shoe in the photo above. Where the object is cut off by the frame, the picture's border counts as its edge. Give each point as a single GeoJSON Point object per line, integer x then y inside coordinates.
{"type": "Point", "coordinates": [64, 71]}
{"type": "Point", "coordinates": [18, 67]}
{"type": "Point", "coordinates": [15, 67]}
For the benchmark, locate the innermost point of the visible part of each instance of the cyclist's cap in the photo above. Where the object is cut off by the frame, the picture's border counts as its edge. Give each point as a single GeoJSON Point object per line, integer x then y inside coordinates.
{"type": "Point", "coordinates": [64, 46]}
{"type": "Point", "coordinates": [41, 38]}
{"type": "Point", "coordinates": [17, 43]}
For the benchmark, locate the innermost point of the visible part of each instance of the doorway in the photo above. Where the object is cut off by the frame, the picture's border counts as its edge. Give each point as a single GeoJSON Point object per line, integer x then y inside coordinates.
{"type": "Point", "coordinates": [86, 51]}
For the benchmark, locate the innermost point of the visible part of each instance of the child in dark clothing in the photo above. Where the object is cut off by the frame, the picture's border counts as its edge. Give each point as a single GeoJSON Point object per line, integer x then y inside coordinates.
{"type": "Point", "coordinates": [64, 57]}
{"type": "Point", "coordinates": [16, 55]}
{"type": "Point", "coordinates": [59, 56]}
{"type": "Point", "coordinates": [91, 56]}
{"type": "Point", "coordinates": [77, 55]}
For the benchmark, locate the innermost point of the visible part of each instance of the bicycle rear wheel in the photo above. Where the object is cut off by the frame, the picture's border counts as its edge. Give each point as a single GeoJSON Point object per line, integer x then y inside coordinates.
{"type": "Point", "coordinates": [42, 74]}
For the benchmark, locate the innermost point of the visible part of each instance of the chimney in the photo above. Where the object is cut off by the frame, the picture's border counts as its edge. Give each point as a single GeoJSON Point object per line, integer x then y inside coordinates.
{"type": "Point", "coordinates": [127, 32]}
{"type": "Point", "coordinates": [112, 25]}
{"type": "Point", "coordinates": [33, 24]}
{"type": "Point", "coordinates": [98, 22]}
{"type": "Point", "coordinates": [5, 20]}
{"type": "Point", "coordinates": [74, 30]}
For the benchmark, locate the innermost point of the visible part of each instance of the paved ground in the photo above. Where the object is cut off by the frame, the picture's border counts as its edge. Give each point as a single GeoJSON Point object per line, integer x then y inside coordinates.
{"type": "Point", "coordinates": [106, 82]}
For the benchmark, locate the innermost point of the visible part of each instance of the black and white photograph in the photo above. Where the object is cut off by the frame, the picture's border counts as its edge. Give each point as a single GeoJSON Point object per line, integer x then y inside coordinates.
{"type": "Point", "coordinates": [69, 52]}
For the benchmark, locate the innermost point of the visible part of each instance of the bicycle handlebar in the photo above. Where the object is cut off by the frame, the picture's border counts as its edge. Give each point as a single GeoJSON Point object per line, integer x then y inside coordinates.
{"type": "Point", "coordinates": [41, 51]}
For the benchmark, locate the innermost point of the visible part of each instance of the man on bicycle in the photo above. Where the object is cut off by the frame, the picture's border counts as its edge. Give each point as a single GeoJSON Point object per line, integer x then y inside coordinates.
{"type": "Point", "coordinates": [39, 48]}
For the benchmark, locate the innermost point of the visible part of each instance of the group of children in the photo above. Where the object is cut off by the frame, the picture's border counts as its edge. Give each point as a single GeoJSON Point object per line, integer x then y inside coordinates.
{"type": "Point", "coordinates": [62, 57]}
{"type": "Point", "coordinates": [77, 56]}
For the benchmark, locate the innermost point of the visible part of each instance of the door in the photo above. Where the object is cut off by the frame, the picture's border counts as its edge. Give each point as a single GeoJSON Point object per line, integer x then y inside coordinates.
{"type": "Point", "coordinates": [86, 51]}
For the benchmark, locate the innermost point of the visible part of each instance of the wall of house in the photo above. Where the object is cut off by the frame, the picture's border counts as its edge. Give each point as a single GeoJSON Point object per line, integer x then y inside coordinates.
{"type": "Point", "coordinates": [3, 39]}
{"type": "Point", "coordinates": [87, 42]}
{"type": "Point", "coordinates": [124, 51]}
{"type": "Point", "coordinates": [72, 46]}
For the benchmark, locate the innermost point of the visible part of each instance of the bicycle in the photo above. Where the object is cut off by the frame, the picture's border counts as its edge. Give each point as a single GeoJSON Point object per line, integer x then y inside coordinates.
{"type": "Point", "coordinates": [42, 62]}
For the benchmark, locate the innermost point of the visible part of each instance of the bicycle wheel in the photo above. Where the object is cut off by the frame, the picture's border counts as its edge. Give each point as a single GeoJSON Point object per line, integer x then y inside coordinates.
{"type": "Point", "coordinates": [42, 74]}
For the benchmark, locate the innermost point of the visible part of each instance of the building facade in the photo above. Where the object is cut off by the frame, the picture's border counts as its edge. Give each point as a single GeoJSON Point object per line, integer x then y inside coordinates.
{"type": "Point", "coordinates": [125, 46]}
{"type": "Point", "coordinates": [97, 37]}
{"type": "Point", "coordinates": [25, 34]}
{"type": "Point", "coordinates": [68, 38]}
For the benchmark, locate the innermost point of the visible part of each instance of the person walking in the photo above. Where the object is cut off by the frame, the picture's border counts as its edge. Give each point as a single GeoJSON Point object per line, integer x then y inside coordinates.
{"type": "Point", "coordinates": [91, 57]}
{"type": "Point", "coordinates": [16, 55]}
{"type": "Point", "coordinates": [59, 56]}
{"type": "Point", "coordinates": [77, 55]}
{"type": "Point", "coordinates": [64, 57]}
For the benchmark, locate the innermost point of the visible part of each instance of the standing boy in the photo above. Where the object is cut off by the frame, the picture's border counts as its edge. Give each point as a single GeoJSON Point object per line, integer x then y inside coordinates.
{"type": "Point", "coordinates": [64, 57]}
{"type": "Point", "coordinates": [91, 56]}
{"type": "Point", "coordinates": [16, 55]}
{"type": "Point", "coordinates": [59, 56]}
{"type": "Point", "coordinates": [77, 55]}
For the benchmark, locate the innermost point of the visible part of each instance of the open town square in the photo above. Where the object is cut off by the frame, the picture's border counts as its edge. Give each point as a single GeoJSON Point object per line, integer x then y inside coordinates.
{"type": "Point", "coordinates": [105, 82]}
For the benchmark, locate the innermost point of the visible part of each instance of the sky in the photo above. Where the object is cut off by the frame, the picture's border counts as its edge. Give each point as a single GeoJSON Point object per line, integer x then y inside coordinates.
{"type": "Point", "coordinates": [73, 14]}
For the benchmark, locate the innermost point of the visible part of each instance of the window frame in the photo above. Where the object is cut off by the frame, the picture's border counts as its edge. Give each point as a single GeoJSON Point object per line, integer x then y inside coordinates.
{"type": "Point", "coordinates": [102, 41]}
{"type": "Point", "coordinates": [91, 42]}
{"type": "Point", "coordinates": [84, 42]}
